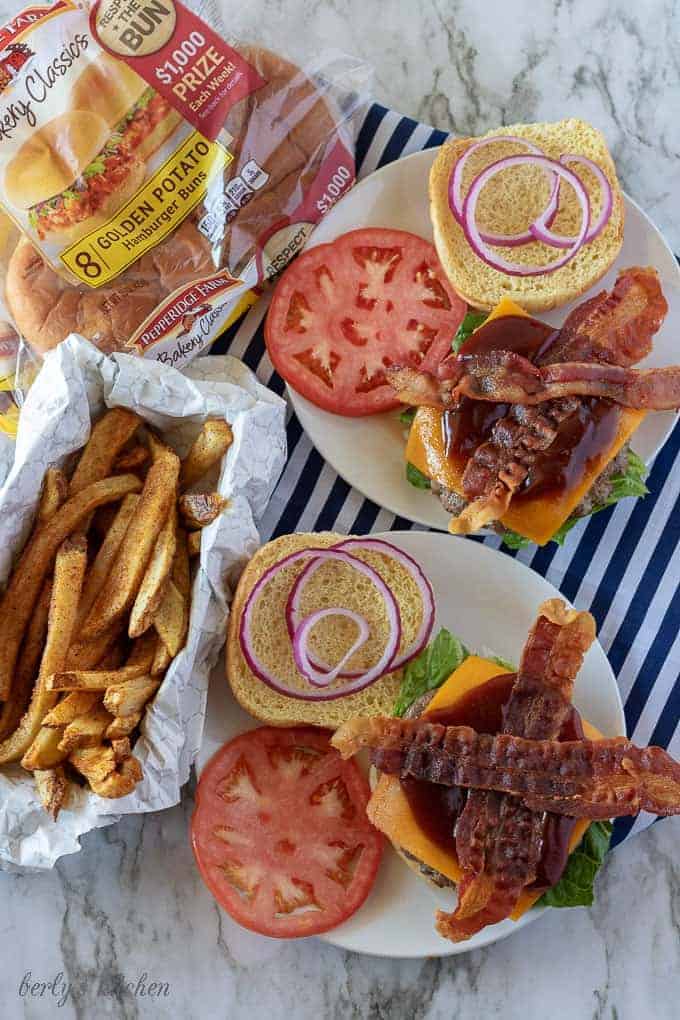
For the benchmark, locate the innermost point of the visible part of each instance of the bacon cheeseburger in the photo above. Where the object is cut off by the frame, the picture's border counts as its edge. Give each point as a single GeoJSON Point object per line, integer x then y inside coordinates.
{"type": "Point", "coordinates": [495, 785]}
{"type": "Point", "coordinates": [83, 165]}
{"type": "Point", "coordinates": [525, 428]}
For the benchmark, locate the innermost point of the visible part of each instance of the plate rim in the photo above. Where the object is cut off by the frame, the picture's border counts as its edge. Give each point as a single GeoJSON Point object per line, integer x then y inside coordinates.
{"type": "Point", "coordinates": [304, 407]}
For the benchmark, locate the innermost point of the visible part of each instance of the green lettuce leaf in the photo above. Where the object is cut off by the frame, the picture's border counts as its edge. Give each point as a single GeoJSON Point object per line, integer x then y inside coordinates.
{"type": "Point", "coordinates": [430, 669]}
{"type": "Point", "coordinates": [515, 541]}
{"type": "Point", "coordinates": [469, 324]}
{"type": "Point", "coordinates": [416, 477]}
{"type": "Point", "coordinates": [630, 483]}
{"type": "Point", "coordinates": [407, 415]}
{"type": "Point", "coordinates": [503, 663]}
{"type": "Point", "coordinates": [575, 888]}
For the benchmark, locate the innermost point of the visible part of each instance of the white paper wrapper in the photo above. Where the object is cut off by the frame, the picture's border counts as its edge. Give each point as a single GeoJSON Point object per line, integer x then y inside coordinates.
{"type": "Point", "coordinates": [74, 387]}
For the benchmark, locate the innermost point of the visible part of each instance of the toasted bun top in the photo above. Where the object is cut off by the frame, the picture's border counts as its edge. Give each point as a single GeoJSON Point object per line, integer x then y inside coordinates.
{"type": "Point", "coordinates": [333, 584]}
{"type": "Point", "coordinates": [53, 157]}
{"type": "Point", "coordinates": [107, 87]}
{"type": "Point", "coordinates": [510, 201]}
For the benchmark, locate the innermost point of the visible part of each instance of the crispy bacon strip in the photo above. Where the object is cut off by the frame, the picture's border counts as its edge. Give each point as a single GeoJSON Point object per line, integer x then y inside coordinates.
{"type": "Point", "coordinates": [595, 779]}
{"type": "Point", "coordinates": [614, 329]}
{"type": "Point", "coordinates": [418, 389]}
{"type": "Point", "coordinates": [498, 840]}
{"type": "Point", "coordinates": [506, 377]}
{"type": "Point", "coordinates": [590, 356]}
{"type": "Point", "coordinates": [498, 467]}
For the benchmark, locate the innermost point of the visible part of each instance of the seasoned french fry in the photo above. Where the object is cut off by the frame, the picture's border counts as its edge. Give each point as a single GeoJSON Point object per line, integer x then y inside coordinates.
{"type": "Point", "coordinates": [121, 782]}
{"type": "Point", "coordinates": [161, 659]}
{"type": "Point", "coordinates": [172, 619]}
{"type": "Point", "coordinates": [122, 725]}
{"type": "Point", "coordinates": [121, 749]}
{"type": "Point", "coordinates": [92, 679]}
{"type": "Point", "coordinates": [95, 763]}
{"type": "Point", "coordinates": [52, 787]}
{"type": "Point", "coordinates": [143, 651]}
{"type": "Point", "coordinates": [68, 579]}
{"type": "Point", "coordinates": [99, 766]}
{"type": "Point", "coordinates": [153, 583]}
{"type": "Point", "coordinates": [194, 543]}
{"type": "Point", "coordinates": [181, 573]}
{"type": "Point", "coordinates": [127, 698]}
{"type": "Point", "coordinates": [28, 664]}
{"type": "Point", "coordinates": [113, 659]}
{"type": "Point", "coordinates": [107, 439]}
{"type": "Point", "coordinates": [36, 560]}
{"type": "Point", "coordinates": [85, 731]}
{"type": "Point", "coordinates": [106, 554]}
{"type": "Point", "coordinates": [209, 446]}
{"type": "Point", "coordinates": [123, 581]}
{"type": "Point", "coordinates": [132, 459]}
{"type": "Point", "coordinates": [88, 654]}
{"type": "Point", "coordinates": [54, 492]}
{"type": "Point", "coordinates": [75, 704]}
{"type": "Point", "coordinates": [45, 751]}
{"type": "Point", "coordinates": [199, 509]}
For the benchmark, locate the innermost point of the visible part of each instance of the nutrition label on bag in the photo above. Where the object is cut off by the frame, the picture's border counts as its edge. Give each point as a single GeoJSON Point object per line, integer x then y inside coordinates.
{"type": "Point", "coordinates": [151, 214]}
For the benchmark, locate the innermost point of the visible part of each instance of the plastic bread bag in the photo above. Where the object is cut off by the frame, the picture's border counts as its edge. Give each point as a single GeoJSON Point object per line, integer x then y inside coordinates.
{"type": "Point", "coordinates": [75, 387]}
{"type": "Point", "coordinates": [155, 172]}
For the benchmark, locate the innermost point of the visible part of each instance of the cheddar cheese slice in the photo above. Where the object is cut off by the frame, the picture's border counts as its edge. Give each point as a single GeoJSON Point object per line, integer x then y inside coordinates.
{"type": "Point", "coordinates": [539, 518]}
{"type": "Point", "coordinates": [389, 809]}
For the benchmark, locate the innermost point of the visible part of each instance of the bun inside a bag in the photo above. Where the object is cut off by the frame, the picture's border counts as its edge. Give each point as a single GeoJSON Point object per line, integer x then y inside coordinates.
{"type": "Point", "coordinates": [280, 135]}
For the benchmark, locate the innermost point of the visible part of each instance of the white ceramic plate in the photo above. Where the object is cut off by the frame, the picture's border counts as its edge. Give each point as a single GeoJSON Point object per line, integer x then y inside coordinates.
{"type": "Point", "coordinates": [490, 601]}
{"type": "Point", "coordinates": [369, 452]}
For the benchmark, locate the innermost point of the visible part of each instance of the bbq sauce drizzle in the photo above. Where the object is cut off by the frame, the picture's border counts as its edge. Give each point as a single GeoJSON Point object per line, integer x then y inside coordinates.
{"type": "Point", "coordinates": [582, 437]}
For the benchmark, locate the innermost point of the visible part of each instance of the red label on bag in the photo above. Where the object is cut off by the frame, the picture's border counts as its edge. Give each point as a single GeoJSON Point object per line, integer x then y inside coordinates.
{"type": "Point", "coordinates": [179, 55]}
{"type": "Point", "coordinates": [285, 238]}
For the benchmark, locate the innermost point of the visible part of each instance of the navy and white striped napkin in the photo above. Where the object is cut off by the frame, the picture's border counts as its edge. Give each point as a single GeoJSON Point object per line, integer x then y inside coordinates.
{"type": "Point", "coordinates": [621, 564]}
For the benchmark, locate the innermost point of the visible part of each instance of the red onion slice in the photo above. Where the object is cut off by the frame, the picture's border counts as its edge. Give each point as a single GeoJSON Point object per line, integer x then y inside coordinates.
{"type": "Point", "coordinates": [424, 588]}
{"type": "Point", "coordinates": [381, 546]}
{"type": "Point", "coordinates": [359, 682]}
{"type": "Point", "coordinates": [301, 641]}
{"type": "Point", "coordinates": [474, 237]}
{"type": "Point", "coordinates": [456, 201]}
{"type": "Point", "coordinates": [540, 228]}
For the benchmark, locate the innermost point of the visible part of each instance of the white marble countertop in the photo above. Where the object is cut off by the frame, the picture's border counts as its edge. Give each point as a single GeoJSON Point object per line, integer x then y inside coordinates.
{"type": "Point", "coordinates": [129, 910]}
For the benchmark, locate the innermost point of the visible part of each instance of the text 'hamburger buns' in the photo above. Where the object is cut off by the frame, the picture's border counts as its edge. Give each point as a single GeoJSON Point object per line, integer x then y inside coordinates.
{"type": "Point", "coordinates": [53, 157]}
{"type": "Point", "coordinates": [333, 584]}
{"type": "Point", "coordinates": [510, 201]}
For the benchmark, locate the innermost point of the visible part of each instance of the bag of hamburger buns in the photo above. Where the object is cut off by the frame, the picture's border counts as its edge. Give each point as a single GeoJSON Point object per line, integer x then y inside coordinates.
{"type": "Point", "coordinates": [154, 173]}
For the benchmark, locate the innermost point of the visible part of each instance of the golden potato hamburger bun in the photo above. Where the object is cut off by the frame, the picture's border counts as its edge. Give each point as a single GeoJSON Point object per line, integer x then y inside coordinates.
{"type": "Point", "coordinates": [46, 308]}
{"type": "Point", "coordinates": [107, 87]}
{"type": "Point", "coordinates": [286, 127]}
{"type": "Point", "coordinates": [510, 201]}
{"type": "Point", "coordinates": [270, 638]}
{"type": "Point", "coordinates": [51, 159]}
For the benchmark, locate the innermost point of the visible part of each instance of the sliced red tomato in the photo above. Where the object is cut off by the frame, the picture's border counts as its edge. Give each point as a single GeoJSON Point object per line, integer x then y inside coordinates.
{"type": "Point", "coordinates": [344, 312]}
{"type": "Point", "coordinates": [280, 832]}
